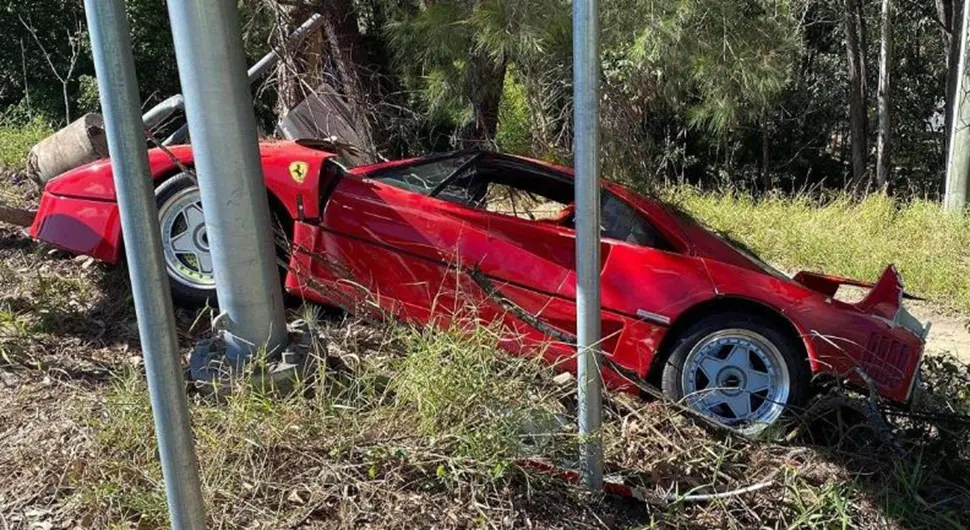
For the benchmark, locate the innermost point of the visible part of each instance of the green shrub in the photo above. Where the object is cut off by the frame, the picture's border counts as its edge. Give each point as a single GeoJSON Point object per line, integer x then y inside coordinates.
{"type": "Point", "coordinates": [16, 141]}
{"type": "Point", "coordinates": [514, 133]}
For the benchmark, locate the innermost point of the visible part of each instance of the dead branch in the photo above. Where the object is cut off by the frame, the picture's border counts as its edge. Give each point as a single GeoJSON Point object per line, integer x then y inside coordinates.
{"type": "Point", "coordinates": [16, 216]}
{"type": "Point", "coordinates": [65, 79]}
{"type": "Point", "coordinates": [705, 497]}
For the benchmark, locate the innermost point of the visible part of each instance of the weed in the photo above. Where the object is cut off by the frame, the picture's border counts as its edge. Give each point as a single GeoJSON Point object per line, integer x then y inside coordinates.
{"type": "Point", "coordinates": [406, 427]}
{"type": "Point", "coordinates": [445, 422]}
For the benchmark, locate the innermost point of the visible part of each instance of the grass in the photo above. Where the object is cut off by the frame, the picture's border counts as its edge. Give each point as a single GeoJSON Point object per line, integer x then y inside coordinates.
{"type": "Point", "coordinates": [433, 428]}
{"type": "Point", "coordinates": [405, 427]}
{"type": "Point", "coordinates": [16, 141]}
{"type": "Point", "coordinates": [857, 239]}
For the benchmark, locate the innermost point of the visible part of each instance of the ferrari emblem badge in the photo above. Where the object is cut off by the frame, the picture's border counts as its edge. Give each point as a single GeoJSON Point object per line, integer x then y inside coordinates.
{"type": "Point", "coordinates": [299, 170]}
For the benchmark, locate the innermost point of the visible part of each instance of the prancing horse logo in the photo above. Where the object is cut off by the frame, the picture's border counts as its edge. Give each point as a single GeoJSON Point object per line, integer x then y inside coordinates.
{"type": "Point", "coordinates": [299, 170]}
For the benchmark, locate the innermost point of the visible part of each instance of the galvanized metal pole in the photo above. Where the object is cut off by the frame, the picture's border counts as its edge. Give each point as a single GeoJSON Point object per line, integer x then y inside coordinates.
{"type": "Point", "coordinates": [219, 109]}
{"type": "Point", "coordinates": [958, 157]}
{"type": "Point", "coordinates": [269, 60]}
{"type": "Point", "coordinates": [162, 111]}
{"type": "Point", "coordinates": [121, 105]}
{"type": "Point", "coordinates": [586, 79]}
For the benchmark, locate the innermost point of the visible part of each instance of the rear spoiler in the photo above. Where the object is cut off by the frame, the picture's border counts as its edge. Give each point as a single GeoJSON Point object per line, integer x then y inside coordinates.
{"type": "Point", "coordinates": [884, 301]}
{"type": "Point", "coordinates": [828, 285]}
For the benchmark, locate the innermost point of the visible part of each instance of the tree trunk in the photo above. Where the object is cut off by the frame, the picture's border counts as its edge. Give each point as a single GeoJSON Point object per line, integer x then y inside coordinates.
{"type": "Point", "coordinates": [341, 47]}
{"type": "Point", "coordinates": [855, 52]}
{"type": "Point", "coordinates": [885, 67]}
{"type": "Point", "coordinates": [346, 46]}
{"type": "Point", "coordinates": [300, 68]}
{"type": "Point", "coordinates": [765, 170]}
{"type": "Point", "coordinates": [486, 82]}
{"type": "Point", "coordinates": [950, 13]}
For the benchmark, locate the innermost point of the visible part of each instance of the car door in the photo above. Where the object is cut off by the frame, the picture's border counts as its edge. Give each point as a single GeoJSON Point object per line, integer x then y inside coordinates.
{"type": "Point", "coordinates": [391, 246]}
{"type": "Point", "coordinates": [530, 259]}
{"type": "Point", "coordinates": [394, 246]}
{"type": "Point", "coordinates": [646, 278]}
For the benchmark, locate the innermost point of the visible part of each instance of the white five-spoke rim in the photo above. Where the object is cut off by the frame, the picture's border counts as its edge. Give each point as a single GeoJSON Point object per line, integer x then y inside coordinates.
{"type": "Point", "coordinates": [737, 377]}
{"type": "Point", "coordinates": [184, 240]}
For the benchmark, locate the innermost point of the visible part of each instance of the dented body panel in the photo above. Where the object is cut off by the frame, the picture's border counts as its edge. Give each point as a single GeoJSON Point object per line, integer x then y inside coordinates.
{"type": "Point", "coordinates": [359, 240]}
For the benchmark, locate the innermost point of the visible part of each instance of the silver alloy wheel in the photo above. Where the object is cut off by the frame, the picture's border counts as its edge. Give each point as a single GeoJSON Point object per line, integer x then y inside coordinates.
{"type": "Point", "coordinates": [738, 377]}
{"type": "Point", "coordinates": [184, 241]}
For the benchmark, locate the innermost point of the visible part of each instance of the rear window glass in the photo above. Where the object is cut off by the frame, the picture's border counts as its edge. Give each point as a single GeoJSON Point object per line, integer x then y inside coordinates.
{"type": "Point", "coordinates": [620, 221]}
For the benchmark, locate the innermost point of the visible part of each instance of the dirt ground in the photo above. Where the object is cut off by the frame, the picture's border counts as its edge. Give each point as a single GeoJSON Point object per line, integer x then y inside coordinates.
{"type": "Point", "coordinates": [948, 332]}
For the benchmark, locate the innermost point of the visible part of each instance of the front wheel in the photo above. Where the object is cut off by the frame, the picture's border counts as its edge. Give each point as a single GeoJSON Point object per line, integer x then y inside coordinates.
{"type": "Point", "coordinates": [740, 370]}
{"type": "Point", "coordinates": [185, 245]}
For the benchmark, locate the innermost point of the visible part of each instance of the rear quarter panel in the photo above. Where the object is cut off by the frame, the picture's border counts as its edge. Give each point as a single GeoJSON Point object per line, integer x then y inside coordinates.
{"type": "Point", "coordinates": [839, 339]}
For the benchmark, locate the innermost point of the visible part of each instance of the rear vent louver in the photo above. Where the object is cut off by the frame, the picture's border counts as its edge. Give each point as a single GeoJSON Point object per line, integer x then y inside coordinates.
{"type": "Point", "coordinates": [885, 359]}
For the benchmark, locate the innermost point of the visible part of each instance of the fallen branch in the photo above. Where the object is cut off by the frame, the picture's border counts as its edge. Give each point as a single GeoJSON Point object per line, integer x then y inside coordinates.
{"type": "Point", "coordinates": [704, 497]}
{"type": "Point", "coordinates": [16, 216]}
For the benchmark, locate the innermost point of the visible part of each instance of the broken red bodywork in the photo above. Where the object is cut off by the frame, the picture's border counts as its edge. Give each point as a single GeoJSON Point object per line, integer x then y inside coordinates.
{"type": "Point", "coordinates": [359, 234]}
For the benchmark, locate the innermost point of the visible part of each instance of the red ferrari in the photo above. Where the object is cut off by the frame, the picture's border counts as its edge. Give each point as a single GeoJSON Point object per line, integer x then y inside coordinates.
{"type": "Point", "coordinates": [432, 238]}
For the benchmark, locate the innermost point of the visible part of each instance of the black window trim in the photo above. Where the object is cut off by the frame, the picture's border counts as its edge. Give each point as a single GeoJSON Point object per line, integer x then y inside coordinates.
{"type": "Point", "coordinates": [521, 164]}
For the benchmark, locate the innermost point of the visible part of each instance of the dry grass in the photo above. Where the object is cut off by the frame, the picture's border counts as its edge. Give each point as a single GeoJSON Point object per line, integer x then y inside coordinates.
{"type": "Point", "coordinates": [414, 429]}
{"type": "Point", "coordinates": [407, 428]}
{"type": "Point", "coordinates": [410, 428]}
{"type": "Point", "coordinates": [857, 239]}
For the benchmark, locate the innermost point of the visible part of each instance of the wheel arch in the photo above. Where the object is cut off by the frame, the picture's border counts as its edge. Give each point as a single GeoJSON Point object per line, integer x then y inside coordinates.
{"type": "Point", "coordinates": [722, 305]}
{"type": "Point", "coordinates": [276, 206]}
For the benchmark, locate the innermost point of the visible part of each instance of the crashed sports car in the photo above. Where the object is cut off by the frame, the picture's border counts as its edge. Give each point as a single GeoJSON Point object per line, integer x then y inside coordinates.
{"type": "Point", "coordinates": [435, 239]}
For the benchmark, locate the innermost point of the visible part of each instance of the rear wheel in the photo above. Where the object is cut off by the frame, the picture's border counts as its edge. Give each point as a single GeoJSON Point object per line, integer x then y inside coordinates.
{"type": "Point", "coordinates": [740, 370]}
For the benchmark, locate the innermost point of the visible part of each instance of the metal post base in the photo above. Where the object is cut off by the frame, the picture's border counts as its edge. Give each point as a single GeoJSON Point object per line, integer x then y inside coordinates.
{"type": "Point", "coordinates": [212, 370]}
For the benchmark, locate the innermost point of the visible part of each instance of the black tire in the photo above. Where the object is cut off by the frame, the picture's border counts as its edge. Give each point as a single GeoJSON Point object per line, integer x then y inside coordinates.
{"type": "Point", "coordinates": [792, 354]}
{"type": "Point", "coordinates": [190, 296]}
{"type": "Point", "coordinates": [183, 295]}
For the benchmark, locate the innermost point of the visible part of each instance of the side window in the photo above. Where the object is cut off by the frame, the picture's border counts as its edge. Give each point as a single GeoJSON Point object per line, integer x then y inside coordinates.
{"type": "Point", "coordinates": [507, 200]}
{"type": "Point", "coordinates": [422, 177]}
{"type": "Point", "coordinates": [522, 193]}
{"type": "Point", "coordinates": [622, 222]}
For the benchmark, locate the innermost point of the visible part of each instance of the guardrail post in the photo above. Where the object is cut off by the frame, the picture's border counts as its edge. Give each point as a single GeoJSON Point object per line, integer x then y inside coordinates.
{"type": "Point", "coordinates": [222, 122]}
{"type": "Point", "coordinates": [958, 155]}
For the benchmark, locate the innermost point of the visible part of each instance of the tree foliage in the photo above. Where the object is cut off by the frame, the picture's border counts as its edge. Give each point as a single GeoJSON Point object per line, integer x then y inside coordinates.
{"type": "Point", "coordinates": [751, 93]}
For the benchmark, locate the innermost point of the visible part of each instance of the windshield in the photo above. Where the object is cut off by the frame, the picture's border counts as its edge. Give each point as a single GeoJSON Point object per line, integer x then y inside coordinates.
{"type": "Point", "coordinates": [423, 176]}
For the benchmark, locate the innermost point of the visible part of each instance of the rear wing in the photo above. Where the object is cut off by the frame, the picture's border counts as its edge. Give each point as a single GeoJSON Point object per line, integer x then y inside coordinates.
{"type": "Point", "coordinates": [886, 296]}
{"type": "Point", "coordinates": [884, 301]}
{"type": "Point", "coordinates": [828, 284]}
